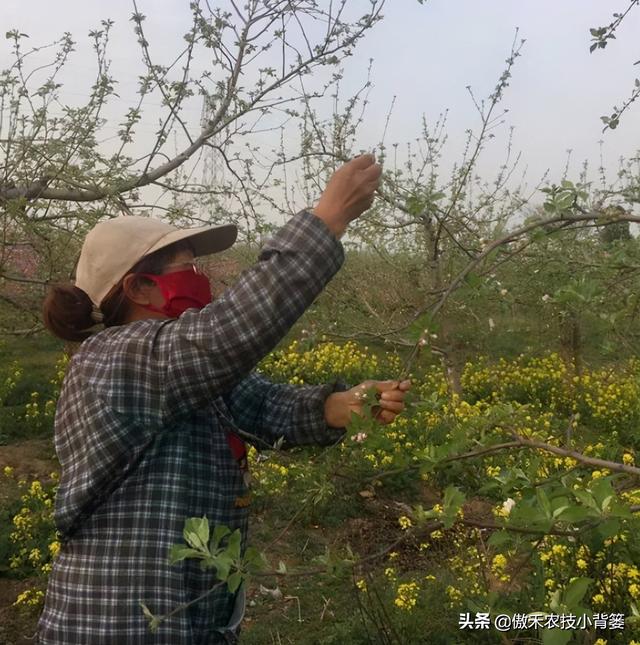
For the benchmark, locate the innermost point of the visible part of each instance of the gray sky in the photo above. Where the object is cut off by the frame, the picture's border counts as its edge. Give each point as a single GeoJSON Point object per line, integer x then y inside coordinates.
{"type": "Point", "coordinates": [424, 55]}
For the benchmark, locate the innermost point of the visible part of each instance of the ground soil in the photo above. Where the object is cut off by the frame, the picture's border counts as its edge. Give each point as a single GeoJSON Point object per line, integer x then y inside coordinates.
{"type": "Point", "coordinates": [30, 459]}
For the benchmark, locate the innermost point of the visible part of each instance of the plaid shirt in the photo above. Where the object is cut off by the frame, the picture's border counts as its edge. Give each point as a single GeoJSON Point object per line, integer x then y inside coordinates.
{"type": "Point", "coordinates": [141, 435]}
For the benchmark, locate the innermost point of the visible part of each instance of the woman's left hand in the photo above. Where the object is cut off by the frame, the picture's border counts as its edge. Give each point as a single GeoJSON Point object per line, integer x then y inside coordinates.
{"type": "Point", "coordinates": [390, 394]}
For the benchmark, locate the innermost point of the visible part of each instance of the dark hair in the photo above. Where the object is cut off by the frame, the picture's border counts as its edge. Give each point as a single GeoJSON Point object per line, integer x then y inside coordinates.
{"type": "Point", "coordinates": [66, 310]}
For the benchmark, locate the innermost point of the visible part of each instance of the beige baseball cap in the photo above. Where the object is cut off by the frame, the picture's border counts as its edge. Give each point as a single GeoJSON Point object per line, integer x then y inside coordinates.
{"type": "Point", "coordinates": [113, 246]}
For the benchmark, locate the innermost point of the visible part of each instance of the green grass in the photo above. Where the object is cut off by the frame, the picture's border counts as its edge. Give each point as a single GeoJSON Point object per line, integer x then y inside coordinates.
{"type": "Point", "coordinates": [36, 356]}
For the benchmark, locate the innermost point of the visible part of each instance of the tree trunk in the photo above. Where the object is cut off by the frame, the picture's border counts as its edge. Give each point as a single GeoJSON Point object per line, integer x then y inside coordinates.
{"type": "Point", "coordinates": [452, 362]}
{"type": "Point", "coordinates": [571, 341]}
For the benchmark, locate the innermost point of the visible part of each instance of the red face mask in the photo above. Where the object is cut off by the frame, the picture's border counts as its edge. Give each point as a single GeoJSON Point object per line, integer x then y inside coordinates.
{"type": "Point", "coordinates": [182, 290]}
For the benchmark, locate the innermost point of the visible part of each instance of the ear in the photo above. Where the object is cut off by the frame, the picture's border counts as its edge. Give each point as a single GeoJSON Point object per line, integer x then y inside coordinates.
{"type": "Point", "coordinates": [136, 289]}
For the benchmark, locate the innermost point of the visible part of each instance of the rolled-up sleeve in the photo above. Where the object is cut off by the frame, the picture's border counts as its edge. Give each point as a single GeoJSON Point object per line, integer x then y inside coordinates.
{"type": "Point", "coordinates": [273, 411]}
{"type": "Point", "coordinates": [205, 353]}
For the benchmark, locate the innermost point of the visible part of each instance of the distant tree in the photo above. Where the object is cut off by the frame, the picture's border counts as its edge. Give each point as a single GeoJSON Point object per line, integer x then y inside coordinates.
{"type": "Point", "coordinates": [620, 230]}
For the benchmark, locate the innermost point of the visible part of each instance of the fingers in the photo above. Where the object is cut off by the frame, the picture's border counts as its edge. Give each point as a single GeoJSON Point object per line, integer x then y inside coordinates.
{"type": "Point", "coordinates": [393, 406]}
{"type": "Point", "coordinates": [392, 395]}
{"type": "Point", "coordinates": [384, 416]}
{"type": "Point", "coordinates": [372, 174]}
{"type": "Point", "coordinates": [389, 390]}
{"type": "Point", "coordinates": [389, 384]}
{"type": "Point", "coordinates": [383, 386]}
{"type": "Point", "coordinates": [363, 161]}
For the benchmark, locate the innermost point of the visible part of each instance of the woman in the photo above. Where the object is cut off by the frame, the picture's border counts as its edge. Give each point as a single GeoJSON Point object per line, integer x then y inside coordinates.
{"type": "Point", "coordinates": [154, 407]}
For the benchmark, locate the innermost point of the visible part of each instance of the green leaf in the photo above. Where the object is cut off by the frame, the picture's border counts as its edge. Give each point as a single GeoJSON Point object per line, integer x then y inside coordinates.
{"type": "Point", "coordinates": [575, 592]}
{"type": "Point", "coordinates": [559, 511]}
{"type": "Point", "coordinates": [223, 564]}
{"type": "Point", "coordinates": [556, 636]}
{"type": "Point", "coordinates": [146, 611]}
{"type": "Point", "coordinates": [196, 532]}
{"type": "Point", "coordinates": [499, 538]}
{"type": "Point", "coordinates": [585, 498]}
{"type": "Point", "coordinates": [451, 504]}
{"type": "Point", "coordinates": [233, 581]}
{"type": "Point", "coordinates": [609, 528]}
{"type": "Point", "coordinates": [527, 513]}
{"type": "Point", "coordinates": [573, 514]}
{"type": "Point", "coordinates": [220, 531]}
{"type": "Point", "coordinates": [180, 552]}
{"type": "Point", "coordinates": [544, 502]}
{"type": "Point", "coordinates": [453, 498]}
{"type": "Point", "coordinates": [253, 559]}
{"type": "Point", "coordinates": [621, 510]}
{"type": "Point", "coordinates": [154, 621]}
{"type": "Point", "coordinates": [233, 546]}
{"type": "Point", "coordinates": [602, 491]}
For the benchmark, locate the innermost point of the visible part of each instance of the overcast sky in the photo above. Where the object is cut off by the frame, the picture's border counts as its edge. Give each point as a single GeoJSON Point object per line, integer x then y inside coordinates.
{"type": "Point", "coordinates": [424, 55]}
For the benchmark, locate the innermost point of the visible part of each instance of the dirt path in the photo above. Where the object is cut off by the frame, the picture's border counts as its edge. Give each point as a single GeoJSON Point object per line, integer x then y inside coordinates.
{"type": "Point", "coordinates": [16, 625]}
{"type": "Point", "coordinates": [33, 458]}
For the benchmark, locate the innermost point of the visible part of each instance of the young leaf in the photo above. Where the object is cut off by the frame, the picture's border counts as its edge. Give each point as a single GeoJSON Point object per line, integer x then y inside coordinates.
{"type": "Point", "coordinates": [223, 565]}
{"type": "Point", "coordinates": [233, 546]}
{"type": "Point", "coordinates": [179, 552]}
{"type": "Point", "coordinates": [453, 499]}
{"type": "Point", "coordinates": [575, 592]}
{"type": "Point", "coordinates": [233, 581]}
{"type": "Point", "coordinates": [196, 532]}
{"type": "Point", "coordinates": [154, 621]}
{"type": "Point", "coordinates": [543, 500]}
{"type": "Point", "coordinates": [220, 531]}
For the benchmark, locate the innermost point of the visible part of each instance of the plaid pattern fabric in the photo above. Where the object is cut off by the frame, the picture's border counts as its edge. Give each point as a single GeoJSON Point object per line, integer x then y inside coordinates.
{"type": "Point", "coordinates": [140, 432]}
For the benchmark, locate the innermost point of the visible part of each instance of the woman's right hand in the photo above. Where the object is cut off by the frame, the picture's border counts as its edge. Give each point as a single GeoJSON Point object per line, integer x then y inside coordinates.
{"type": "Point", "coordinates": [349, 193]}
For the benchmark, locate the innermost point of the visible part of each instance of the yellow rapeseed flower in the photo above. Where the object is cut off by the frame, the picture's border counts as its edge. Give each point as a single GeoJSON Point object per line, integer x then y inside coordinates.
{"type": "Point", "coordinates": [404, 522]}
{"type": "Point", "coordinates": [499, 561]}
{"type": "Point", "coordinates": [407, 596]}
